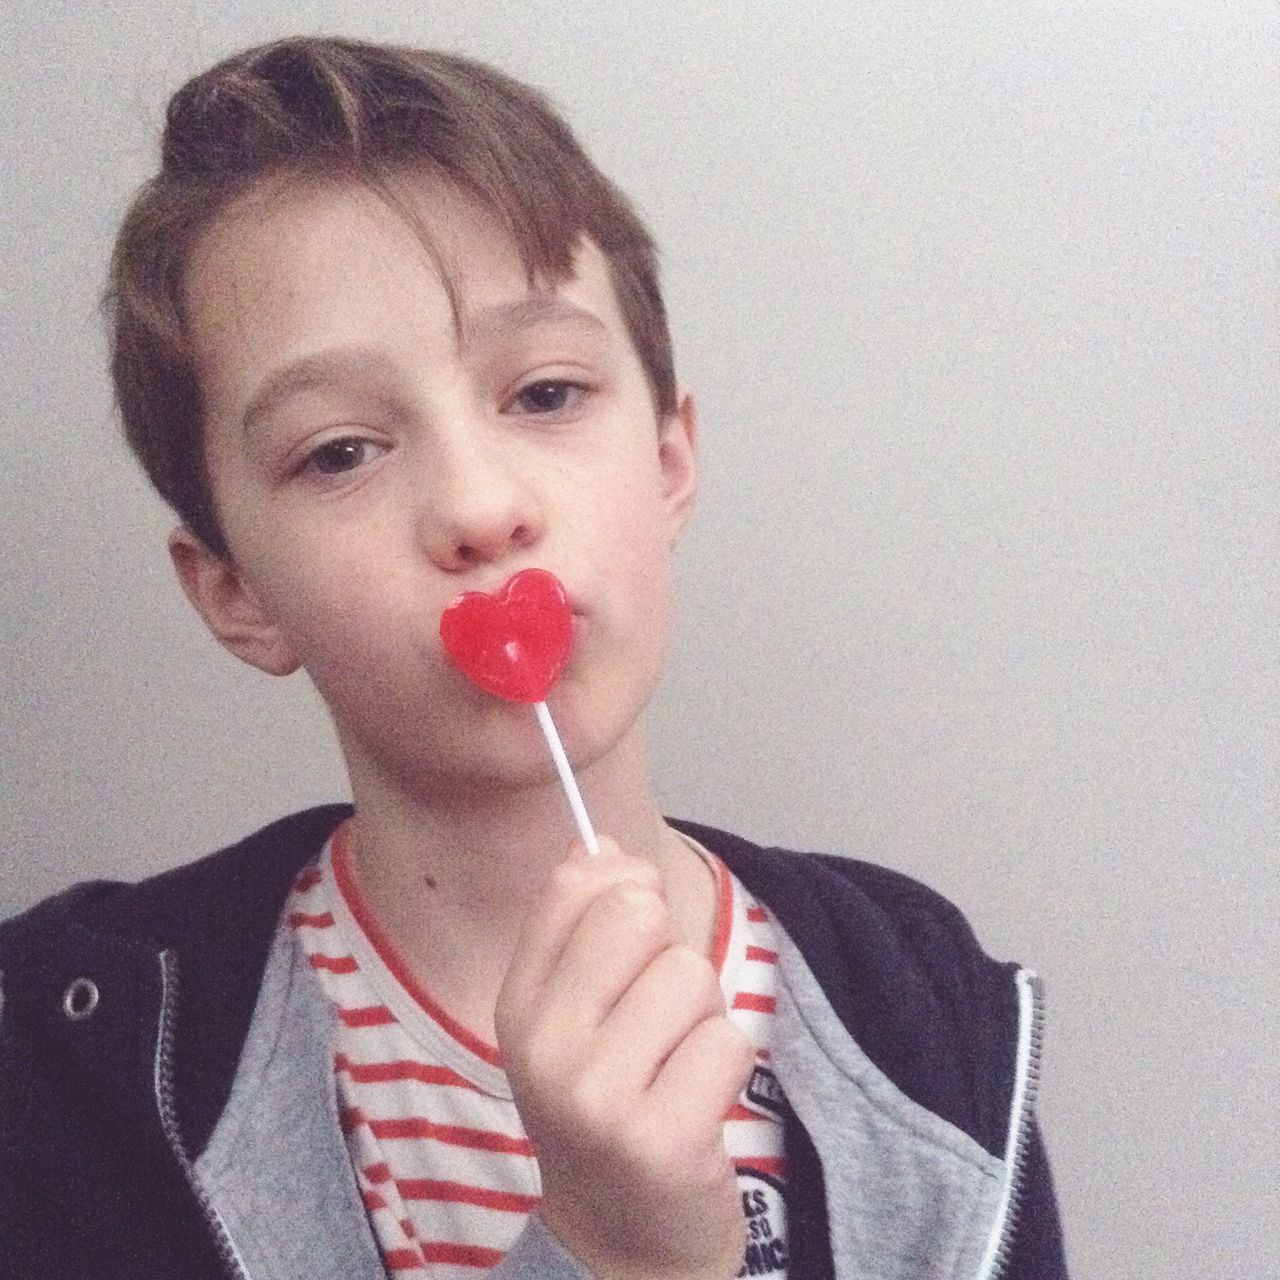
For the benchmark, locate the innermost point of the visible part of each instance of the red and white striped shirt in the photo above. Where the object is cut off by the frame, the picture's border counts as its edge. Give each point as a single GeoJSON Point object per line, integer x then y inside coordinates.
{"type": "Point", "coordinates": [446, 1171]}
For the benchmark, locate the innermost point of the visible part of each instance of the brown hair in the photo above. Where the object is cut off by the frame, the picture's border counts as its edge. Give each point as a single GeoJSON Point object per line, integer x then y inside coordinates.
{"type": "Point", "coordinates": [363, 112]}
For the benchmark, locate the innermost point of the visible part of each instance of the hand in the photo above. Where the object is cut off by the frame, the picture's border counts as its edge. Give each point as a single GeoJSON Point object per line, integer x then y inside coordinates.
{"type": "Point", "coordinates": [623, 1063]}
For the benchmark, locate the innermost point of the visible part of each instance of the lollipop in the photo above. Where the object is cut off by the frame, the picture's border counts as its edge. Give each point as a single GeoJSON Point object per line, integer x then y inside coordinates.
{"type": "Point", "coordinates": [515, 644]}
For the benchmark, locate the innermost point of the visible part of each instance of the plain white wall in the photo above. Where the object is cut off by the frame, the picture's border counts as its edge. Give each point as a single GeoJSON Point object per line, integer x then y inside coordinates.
{"type": "Point", "coordinates": [980, 303]}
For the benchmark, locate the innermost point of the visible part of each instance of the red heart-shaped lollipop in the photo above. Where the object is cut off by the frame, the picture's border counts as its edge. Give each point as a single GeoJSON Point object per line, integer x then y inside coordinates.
{"type": "Point", "coordinates": [515, 642]}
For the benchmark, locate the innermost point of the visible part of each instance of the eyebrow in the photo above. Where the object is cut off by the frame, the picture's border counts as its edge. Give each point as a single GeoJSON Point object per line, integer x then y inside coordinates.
{"type": "Point", "coordinates": [344, 364]}
{"type": "Point", "coordinates": [310, 373]}
{"type": "Point", "coordinates": [535, 309]}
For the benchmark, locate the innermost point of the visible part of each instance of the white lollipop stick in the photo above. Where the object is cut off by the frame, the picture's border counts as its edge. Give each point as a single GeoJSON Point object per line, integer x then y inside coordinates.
{"type": "Point", "coordinates": [567, 780]}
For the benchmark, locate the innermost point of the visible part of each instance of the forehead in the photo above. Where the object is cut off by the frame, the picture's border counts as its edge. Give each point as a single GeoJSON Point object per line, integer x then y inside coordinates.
{"type": "Point", "coordinates": [302, 264]}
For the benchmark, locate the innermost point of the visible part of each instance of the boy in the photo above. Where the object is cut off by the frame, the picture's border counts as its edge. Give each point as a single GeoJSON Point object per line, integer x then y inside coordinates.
{"type": "Point", "coordinates": [381, 334]}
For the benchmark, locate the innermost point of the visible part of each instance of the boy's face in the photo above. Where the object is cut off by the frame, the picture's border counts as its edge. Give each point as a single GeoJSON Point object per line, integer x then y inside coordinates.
{"type": "Point", "coordinates": [370, 459]}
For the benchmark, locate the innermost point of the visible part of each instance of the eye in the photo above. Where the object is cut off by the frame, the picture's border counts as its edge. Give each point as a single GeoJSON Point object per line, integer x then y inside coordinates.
{"type": "Point", "coordinates": [549, 395]}
{"type": "Point", "coordinates": [346, 453]}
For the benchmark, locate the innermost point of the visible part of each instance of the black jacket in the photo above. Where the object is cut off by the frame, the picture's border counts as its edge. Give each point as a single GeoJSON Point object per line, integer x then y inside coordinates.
{"type": "Point", "coordinates": [114, 1071]}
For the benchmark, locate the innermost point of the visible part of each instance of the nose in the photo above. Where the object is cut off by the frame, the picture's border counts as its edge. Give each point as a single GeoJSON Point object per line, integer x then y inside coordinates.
{"type": "Point", "coordinates": [477, 508]}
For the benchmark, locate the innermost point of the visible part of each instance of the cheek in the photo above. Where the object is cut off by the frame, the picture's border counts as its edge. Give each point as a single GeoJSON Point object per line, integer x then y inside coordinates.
{"type": "Point", "coordinates": [639, 579]}
{"type": "Point", "coordinates": [626, 508]}
{"type": "Point", "coordinates": [631, 555]}
{"type": "Point", "coordinates": [334, 610]}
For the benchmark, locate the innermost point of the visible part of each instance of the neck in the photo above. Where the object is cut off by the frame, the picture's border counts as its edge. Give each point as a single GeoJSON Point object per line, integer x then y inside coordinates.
{"type": "Point", "coordinates": [450, 880]}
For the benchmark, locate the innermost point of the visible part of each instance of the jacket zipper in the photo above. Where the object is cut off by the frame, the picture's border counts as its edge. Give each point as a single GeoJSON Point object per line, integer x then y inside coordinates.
{"type": "Point", "coordinates": [1026, 1086]}
{"type": "Point", "coordinates": [232, 1263]}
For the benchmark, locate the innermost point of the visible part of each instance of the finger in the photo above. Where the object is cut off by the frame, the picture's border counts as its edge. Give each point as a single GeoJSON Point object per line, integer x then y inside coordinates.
{"type": "Point", "coordinates": [557, 905]}
{"type": "Point", "coordinates": [615, 940]}
{"type": "Point", "coordinates": [677, 991]}
{"type": "Point", "coordinates": [703, 1076]}
{"type": "Point", "coordinates": [570, 889]}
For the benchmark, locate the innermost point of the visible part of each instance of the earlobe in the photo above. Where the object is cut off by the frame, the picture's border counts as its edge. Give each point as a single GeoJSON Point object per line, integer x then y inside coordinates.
{"type": "Point", "coordinates": [678, 458]}
{"type": "Point", "coordinates": [228, 606]}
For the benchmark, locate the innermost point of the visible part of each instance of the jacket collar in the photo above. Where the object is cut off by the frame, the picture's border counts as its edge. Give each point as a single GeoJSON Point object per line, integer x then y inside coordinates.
{"type": "Point", "coordinates": [903, 973]}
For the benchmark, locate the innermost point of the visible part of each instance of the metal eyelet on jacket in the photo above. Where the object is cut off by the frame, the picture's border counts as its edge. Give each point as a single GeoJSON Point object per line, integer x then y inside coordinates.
{"type": "Point", "coordinates": [80, 999]}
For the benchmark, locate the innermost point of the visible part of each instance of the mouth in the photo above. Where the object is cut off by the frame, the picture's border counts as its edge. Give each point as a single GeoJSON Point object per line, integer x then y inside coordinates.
{"type": "Point", "coordinates": [516, 640]}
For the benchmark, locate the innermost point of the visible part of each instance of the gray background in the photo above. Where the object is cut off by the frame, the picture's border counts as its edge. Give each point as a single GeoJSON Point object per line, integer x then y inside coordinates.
{"type": "Point", "coordinates": [979, 299]}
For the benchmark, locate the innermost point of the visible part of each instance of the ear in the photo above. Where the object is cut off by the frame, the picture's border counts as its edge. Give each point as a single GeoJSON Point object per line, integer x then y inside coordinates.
{"type": "Point", "coordinates": [230, 610]}
{"type": "Point", "coordinates": [678, 461]}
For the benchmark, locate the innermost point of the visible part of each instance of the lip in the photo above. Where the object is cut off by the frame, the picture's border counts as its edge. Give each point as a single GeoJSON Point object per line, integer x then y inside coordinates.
{"type": "Point", "coordinates": [579, 615]}
{"type": "Point", "coordinates": [493, 587]}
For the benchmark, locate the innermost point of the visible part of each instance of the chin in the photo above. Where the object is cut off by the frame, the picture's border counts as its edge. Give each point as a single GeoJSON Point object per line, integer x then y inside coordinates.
{"type": "Point", "coordinates": [486, 745]}
{"type": "Point", "coordinates": [594, 730]}
{"type": "Point", "coordinates": [501, 750]}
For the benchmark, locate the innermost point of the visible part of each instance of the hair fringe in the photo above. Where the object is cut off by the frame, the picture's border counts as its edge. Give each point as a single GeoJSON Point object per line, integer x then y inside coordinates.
{"type": "Point", "coordinates": [350, 111]}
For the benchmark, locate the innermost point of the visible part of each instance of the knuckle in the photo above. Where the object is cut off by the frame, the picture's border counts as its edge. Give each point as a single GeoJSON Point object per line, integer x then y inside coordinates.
{"type": "Point", "coordinates": [575, 878]}
{"type": "Point", "coordinates": [568, 879]}
{"type": "Point", "coordinates": [592, 1104]}
{"type": "Point", "coordinates": [695, 975]}
{"type": "Point", "coordinates": [636, 903]}
{"type": "Point", "coordinates": [641, 1147]}
{"type": "Point", "coordinates": [729, 1037]}
{"type": "Point", "coordinates": [627, 911]}
{"type": "Point", "coordinates": [647, 876]}
{"type": "Point", "coordinates": [610, 849]}
{"type": "Point", "coordinates": [738, 1046]}
{"type": "Point", "coordinates": [732, 1047]}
